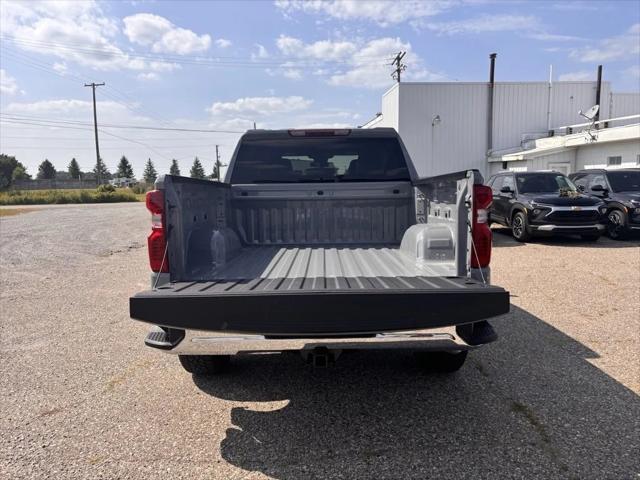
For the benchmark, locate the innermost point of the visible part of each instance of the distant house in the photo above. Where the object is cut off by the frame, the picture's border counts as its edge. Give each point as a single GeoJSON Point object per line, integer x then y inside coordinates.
{"type": "Point", "coordinates": [123, 182]}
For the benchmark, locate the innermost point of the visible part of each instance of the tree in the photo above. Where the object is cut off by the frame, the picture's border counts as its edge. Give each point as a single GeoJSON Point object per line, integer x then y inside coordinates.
{"type": "Point", "coordinates": [196, 169]}
{"type": "Point", "coordinates": [175, 169]}
{"type": "Point", "coordinates": [125, 170]}
{"type": "Point", "coordinates": [149, 173]}
{"type": "Point", "coordinates": [20, 173]}
{"type": "Point", "coordinates": [216, 170]}
{"type": "Point", "coordinates": [74, 169]}
{"type": "Point", "coordinates": [7, 165]}
{"type": "Point", "coordinates": [46, 170]}
{"type": "Point", "coordinates": [101, 170]}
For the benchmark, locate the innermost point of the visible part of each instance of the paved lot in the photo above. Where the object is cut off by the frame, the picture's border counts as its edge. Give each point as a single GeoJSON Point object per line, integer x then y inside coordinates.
{"type": "Point", "coordinates": [555, 397]}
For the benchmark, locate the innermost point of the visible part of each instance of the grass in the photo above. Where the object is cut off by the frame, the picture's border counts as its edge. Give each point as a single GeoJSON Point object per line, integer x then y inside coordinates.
{"type": "Point", "coordinates": [41, 197]}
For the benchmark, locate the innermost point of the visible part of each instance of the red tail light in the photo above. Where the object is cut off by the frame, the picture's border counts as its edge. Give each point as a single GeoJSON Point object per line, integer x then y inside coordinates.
{"type": "Point", "coordinates": [481, 233]}
{"type": "Point", "coordinates": [157, 242]}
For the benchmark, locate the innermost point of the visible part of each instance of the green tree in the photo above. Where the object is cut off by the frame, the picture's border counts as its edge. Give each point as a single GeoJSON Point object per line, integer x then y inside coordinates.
{"type": "Point", "coordinates": [20, 173]}
{"type": "Point", "coordinates": [46, 170]}
{"type": "Point", "coordinates": [101, 170]}
{"type": "Point", "coordinates": [74, 169]}
{"type": "Point", "coordinates": [175, 169]}
{"type": "Point", "coordinates": [150, 174]}
{"type": "Point", "coordinates": [216, 170]}
{"type": "Point", "coordinates": [196, 169]}
{"type": "Point", "coordinates": [7, 165]}
{"type": "Point", "coordinates": [125, 170]}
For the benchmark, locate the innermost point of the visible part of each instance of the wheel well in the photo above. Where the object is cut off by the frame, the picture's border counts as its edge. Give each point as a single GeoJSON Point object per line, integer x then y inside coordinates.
{"type": "Point", "coordinates": [513, 213]}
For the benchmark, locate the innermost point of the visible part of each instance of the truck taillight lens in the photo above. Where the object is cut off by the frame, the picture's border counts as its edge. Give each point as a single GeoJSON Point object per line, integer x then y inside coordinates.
{"type": "Point", "coordinates": [481, 233]}
{"type": "Point", "coordinates": [156, 241]}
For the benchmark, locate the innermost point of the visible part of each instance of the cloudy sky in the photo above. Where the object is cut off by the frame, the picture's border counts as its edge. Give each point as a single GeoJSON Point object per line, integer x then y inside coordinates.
{"type": "Point", "coordinates": [174, 67]}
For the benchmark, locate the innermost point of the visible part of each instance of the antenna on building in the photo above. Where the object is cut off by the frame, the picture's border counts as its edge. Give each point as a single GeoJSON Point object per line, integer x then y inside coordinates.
{"type": "Point", "coordinates": [592, 116]}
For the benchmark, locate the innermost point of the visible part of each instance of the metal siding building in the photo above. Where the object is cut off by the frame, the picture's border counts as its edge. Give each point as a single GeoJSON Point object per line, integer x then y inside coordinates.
{"type": "Point", "coordinates": [445, 125]}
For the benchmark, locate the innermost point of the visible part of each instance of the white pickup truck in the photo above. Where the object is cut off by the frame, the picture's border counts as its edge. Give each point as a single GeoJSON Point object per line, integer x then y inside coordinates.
{"type": "Point", "coordinates": [319, 241]}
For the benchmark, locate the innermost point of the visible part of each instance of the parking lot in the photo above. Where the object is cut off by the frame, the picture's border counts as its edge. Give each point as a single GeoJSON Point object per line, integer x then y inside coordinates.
{"type": "Point", "coordinates": [82, 397]}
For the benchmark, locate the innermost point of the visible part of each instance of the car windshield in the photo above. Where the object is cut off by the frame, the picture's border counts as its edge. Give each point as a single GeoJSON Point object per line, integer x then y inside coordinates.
{"type": "Point", "coordinates": [624, 181]}
{"type": "Point", "coordinates": [544, 183]}
{"type": "Point", "coordinates": [332, 159]}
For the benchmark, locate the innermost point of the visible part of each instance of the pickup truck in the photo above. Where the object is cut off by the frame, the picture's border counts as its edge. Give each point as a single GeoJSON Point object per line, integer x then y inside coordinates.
{"type": "Point", "coordinates": [319, 241]}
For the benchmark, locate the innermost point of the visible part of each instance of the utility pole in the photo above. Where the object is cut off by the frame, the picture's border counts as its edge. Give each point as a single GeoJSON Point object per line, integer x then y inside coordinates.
{"type": "Point", "coordinates": [400, 67]}
{"type": "Point", "coordinates": [95, 122]}
{"type": "Point", "coordinates": [218, 165]}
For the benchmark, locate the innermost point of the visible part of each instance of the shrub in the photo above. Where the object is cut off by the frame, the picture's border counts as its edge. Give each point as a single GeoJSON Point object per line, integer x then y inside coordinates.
{"type": "Point", "coordinates": [35, 197]}
{"type": "Point", "coordinates": [106, 188]}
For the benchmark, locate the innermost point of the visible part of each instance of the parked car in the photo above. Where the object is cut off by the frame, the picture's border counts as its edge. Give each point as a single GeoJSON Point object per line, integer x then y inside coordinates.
{"type": "Point", "coordinates": [620, 190]}
{"type": "Point", "coordinates": [544, 203]}
{"type": "Point", "coordinates": [319, 241]}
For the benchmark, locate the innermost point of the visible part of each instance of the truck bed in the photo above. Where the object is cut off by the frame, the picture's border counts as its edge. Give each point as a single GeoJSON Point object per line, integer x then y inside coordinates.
{"type": "Point", "coordinates": [315, 291]}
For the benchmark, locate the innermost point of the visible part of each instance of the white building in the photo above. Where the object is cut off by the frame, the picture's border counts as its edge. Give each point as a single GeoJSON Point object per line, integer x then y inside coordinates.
{"type": "Point", "coordinates": [446, 126]}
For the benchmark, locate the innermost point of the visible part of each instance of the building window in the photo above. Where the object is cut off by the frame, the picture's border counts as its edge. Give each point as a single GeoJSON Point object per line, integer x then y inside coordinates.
{"type": "Point", "coordinates": [614, 160]}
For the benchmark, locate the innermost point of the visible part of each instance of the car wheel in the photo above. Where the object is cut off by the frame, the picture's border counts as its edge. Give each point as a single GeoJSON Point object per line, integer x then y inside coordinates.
{"type": "Point", "coordinates": [441, 362]}
{"type": "Point", "coordinates": [204, 364]}
{"type": "Point", "coordinates": [591, 237]}
{"type": "Point", "coordinates": [616, 226]}
{"type": "Point", "coordinates": [520, 227]}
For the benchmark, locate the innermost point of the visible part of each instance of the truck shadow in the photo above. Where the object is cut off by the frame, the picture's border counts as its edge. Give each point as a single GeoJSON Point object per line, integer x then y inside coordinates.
{"type": "Point", "coordinates": [530, 405]}
{"type": "Point", "coordinates": [502, 237]}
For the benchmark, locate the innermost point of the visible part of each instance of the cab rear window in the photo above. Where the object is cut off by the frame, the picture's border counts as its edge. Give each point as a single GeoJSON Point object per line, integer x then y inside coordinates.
{"type": "Point", "coordinates": [329, 159]}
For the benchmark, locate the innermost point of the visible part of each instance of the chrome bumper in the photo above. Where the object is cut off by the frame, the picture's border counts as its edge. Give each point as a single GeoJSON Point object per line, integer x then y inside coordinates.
{"type": "Point", "coordinates": [206, 343]}
{"type": "Point", "coordinates": [551, 228]}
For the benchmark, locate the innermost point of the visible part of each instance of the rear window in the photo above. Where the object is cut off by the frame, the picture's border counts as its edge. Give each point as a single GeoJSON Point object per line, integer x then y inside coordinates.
{"type": "Point", "coordinates": [334, 159]}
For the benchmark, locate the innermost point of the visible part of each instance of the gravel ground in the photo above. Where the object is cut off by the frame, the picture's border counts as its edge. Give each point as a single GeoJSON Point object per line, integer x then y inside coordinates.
{"type": "Point", "coordinates": [555, 397]}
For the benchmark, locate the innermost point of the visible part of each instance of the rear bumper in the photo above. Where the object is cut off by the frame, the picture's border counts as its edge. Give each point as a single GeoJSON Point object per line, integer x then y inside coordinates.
{"type": "Point", "coordinates": [207, 343]}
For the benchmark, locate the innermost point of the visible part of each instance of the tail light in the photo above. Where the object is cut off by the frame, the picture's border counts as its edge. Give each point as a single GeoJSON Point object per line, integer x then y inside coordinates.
{"type": "Point", "coordinates": [156, 241]}
{"type": "Point", "coordinates": [481, 233]}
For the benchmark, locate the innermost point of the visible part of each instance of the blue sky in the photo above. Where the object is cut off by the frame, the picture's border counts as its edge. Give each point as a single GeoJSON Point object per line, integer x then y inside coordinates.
{"type": "Point", "coordinates": [223, 65]}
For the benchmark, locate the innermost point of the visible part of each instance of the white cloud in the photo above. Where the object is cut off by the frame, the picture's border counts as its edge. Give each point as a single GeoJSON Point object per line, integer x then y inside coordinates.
{"type": "Point", "coordinates": [618, 47]}
{"type": "Point", "coordinates": [8, 84]}
{"type": "Point", "coordinates": [382, 12]}
{"type": "Point", "coordinates": [60, 67]}
{"type": "Point", "coordinates": [148, 76]}
{"type": "Point", "coordinates": [485, 23]}
{"type": "Point", "coordinates": [223, 43]}
{"type": "Point", "coordinates": [352, 63]}
{"type": "Point", "coordinates": [72, 31]}
{"type": "Point", "coordinates": [162, 36]}
{"type": "Point", "coordinates": [325, 50]}
{"type": "Point", "coordinates": [582, 75]}
{"type": "Point", "coordinates": [260, 106]}
{"type": "Point", "coordinates": [261, 53]}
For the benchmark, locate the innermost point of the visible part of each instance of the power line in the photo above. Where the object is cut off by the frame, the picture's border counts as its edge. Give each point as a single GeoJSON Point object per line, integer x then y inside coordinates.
{"type": "Point", "coordinates": [223, 61]}
{"type": "Point", "coordinates": [57, 123]}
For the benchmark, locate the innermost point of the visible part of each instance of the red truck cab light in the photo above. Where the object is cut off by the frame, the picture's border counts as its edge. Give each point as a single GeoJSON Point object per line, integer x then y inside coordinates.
{"type": "Point", "coordinates": [480, 232]}
{"type": "Point", "coordinates": [156, 241]}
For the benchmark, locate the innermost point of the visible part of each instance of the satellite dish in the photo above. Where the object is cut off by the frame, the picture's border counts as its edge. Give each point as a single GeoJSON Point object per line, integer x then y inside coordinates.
{"type": "Point", "coordinates": [591, 113]}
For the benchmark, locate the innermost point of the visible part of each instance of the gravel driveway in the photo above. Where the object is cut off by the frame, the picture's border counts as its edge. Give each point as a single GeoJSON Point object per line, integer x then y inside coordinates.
{"type": "Point", "coordinates": [556, 397]}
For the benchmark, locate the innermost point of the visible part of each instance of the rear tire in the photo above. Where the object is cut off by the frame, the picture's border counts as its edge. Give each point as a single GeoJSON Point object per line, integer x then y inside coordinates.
{"type": "Point", "coordinates": [442, 362]}
{"type": "Point", "coordinates": [204, 364]}
{"type": "Point", "coordinates": [592, 237]}
{"type": "Point", "coordinates": [520, 227]}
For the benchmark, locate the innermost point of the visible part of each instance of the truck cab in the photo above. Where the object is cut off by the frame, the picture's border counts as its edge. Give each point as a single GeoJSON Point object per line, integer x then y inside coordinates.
{"type": "Point", "coordinates": [319, 241]}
